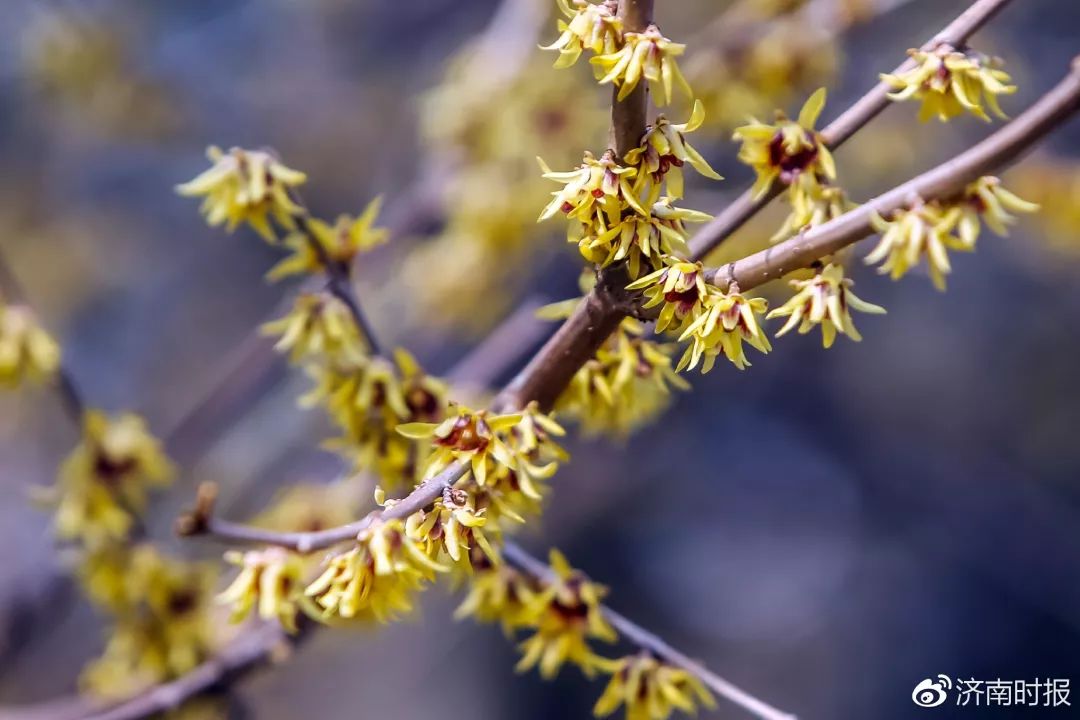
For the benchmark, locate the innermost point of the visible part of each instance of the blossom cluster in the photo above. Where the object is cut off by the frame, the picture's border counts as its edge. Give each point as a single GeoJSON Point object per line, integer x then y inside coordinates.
{"type": "Point", "coordinates": [949, 81]}
{"type": "Point", "coordinates": [795, 155]}
{"type": "Point", "coordinates": [930, 229]}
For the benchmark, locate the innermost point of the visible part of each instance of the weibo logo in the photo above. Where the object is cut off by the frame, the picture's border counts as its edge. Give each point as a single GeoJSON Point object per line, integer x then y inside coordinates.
{"type": "Point", "coordinates": [931, 693]}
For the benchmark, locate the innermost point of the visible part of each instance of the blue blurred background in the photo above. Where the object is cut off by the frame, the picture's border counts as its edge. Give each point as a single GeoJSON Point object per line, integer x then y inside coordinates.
{"type": "Point", "coordinates": [825, 529]}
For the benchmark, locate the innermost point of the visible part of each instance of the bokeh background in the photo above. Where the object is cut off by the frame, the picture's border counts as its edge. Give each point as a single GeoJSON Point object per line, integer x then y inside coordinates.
{"type": "Point", "coordinates": [825, 529]}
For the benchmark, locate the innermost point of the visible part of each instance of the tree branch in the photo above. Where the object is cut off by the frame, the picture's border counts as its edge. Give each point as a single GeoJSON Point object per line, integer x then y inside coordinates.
{"type": "Point", "coordinates": [944, 181]}
{"type": "Point", "coordinates": [518, 558]}
{"type": "Point", "coordinates": [865, 109]}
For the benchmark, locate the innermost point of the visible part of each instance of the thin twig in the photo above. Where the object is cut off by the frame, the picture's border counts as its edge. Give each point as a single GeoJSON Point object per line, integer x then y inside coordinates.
{"type": "Point", "coordinates": [865, 109]}
{"type": "Point", "coordinates": [945, 181]}
{"type": "Point", "coordinates": [518, 558]}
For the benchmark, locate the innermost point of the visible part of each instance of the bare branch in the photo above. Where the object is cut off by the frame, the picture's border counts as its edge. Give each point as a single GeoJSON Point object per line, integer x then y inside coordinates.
{"type": "Point", "coordinates": [944, 181]}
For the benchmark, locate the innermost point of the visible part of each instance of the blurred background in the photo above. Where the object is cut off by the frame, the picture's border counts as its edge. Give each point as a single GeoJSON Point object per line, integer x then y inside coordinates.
{"type": "Point", "coordinates": [825, 529]}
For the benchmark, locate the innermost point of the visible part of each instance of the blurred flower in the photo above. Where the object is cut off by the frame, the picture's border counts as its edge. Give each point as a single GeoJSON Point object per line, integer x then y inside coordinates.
{"type": "Point", "coordinates": [825, 300]}
{"type": "Point", "coordinates": [647, 54]}
{"type": "Point", "coordinates": [592, 26]}
{"type": "Point", "coordinates": [375, 579]}
{"type": "Point", "coordinates": [103, 482]}
{"type": "Point", "coordinates": [948, 81]}
{"type": "Point", "coordinates": [340, 243]}
{"type": "Point", "coordinates": [272, 578]}
{"type": "Point", "coordinates": [787, 149]}
{"type": "Point", "coordinates": [320, 326]}
{"type": "Point", "coordinates": [249, 186]}
{"type": "Point", "coordinates": [368, 401]}
{"type": "Point", "coordinates": [814, 201]}
{"type": "Point", "coordinates": [650, 689]}
{"type": "Point", "coordinates": [497, 593]}
{"type": "Point", "coordinates": [167, 635]}
{"type": "Point", "coordinates": [566, 614]}
{"type": "Point", "coordinates": [925, 230]}
{"type": "Point", "coordinates": [27, 352]}
{"type": "Point", "coordinates": [725, 321]}
{"type": "Point", "coordinates": [627, 385]}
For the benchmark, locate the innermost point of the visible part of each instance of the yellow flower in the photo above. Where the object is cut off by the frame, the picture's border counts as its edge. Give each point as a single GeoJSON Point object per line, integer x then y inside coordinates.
{"type": "Point", "coordinates": [377, 578]}
{"type": "Point", "coordinates": [591, 27]}
{"type": "Point", "coordinates": [369, 401]}
{"type": "Point", "coordinates": [470, 436]}
{"type": "Point", "coordinates": [636, 238]}
{"type": "Point", "coordinates": [650, 689]}
{"type": "Point", "coordinates": [451, 525]}
{"type": "Point", "coordinates": [725, 321]}
{"type": "Point", "coordinates": [340, 243]}
{"type": "Point", "coordinates": [272, 578]}
{"type": "Point", "coordinates": [249, 186]}
{"type": "Point", "coordinates": [27, 352]}
{"type": "Point", "coordinates": [662, 153]}
{"type": "Point", "coordinates": [826, 300]}
{"type": "Point", "coordinates": [680, 287]}
{"type": "Point", "coordinates": [566, 615]}
{"type": "Point", "coordinates": [948, 82]}
{"type": "Point", "coordinates": [168, 635]}
{"type": "Point", "coordinates": [318, 325]}
{"type": "Point", "coordinates": [925, 230]}
{"type": "Point", "coordinates": [648, 54]}
{"type": "Point", "coordinates": [786, 149]}
{"type": "Point", "coordinates": [987, 200]}
{"type": "Point", "coordinates": [103, 482]}
{"type": "Point", "coordinates": [597, 191]}
{"type": "Point", "coordinates": [814, 202]}
{"type": "Point", "coordinates": [625, 386]}
{"type": "Point", "coordinates": [497, 593]}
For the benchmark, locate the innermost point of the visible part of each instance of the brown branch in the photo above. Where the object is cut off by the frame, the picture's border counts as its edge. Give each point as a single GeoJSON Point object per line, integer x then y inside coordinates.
{"type": "Point", "coordinates": [865, 109]}
{"type": "Point", "coordinates": [944, 181]}
{"type": "Point", "coordinates": [518, 558]}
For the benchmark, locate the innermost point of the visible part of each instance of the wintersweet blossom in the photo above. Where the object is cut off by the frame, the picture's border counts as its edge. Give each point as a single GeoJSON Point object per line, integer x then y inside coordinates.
{"type": "Point", "coordinates": [565, 614]}
{"type": "Point", "coordinates": [949, 81]}
{"type": "Point", "coordinates": [726, 320]}
{"type": "Point", "coordinates": [592, 26]}
{"type": "Point", "coordinates": [451, 527]}
{"type": "Point", "coordinates": [787, 149]}
{"type": "Point", "coordinates": [663, 152]}
{"type": "Point", "coordinates": [650, 689]}
{"type": "Point", "coordinates": [826, 300]}
{"type": "Point", "coordinates": [679, 287]}
{"type": "Point", "coordinates": [923, 231]}
{"type": "Point", "coordinates": [27, 352]}
{"type": "Point", "coordinates": [105, 479]}
{"type": "Point", "coordinates": [249, 186]}
{"type": "Point", "coordinates": [339, 243]}
{"type": "Point", "coordinates": [319, 325]}
{"type": "Point", "coordinates": [647, 55]}
{"type": "Point", "coordinates": [377, 578]}
{"type": "Point", "coordinates": [986, 200]}
{"type": "Point", "coordinates": [271, 579]}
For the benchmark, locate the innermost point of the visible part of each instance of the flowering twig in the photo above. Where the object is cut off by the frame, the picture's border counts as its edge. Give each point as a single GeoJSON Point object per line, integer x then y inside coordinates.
{"type": "Point", "coordinates": [944, 181]}
{"type": "Point", "coordinates": [865, 109]}
{"type": "Point", "coordinates": [67, 390]}
{"type": "Point", "coordinates": [631, 631]}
